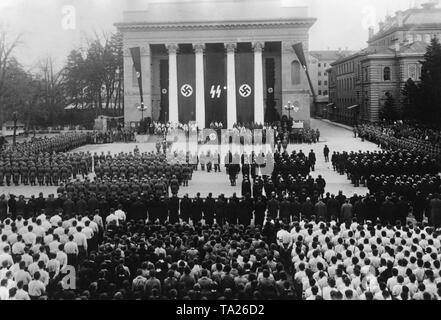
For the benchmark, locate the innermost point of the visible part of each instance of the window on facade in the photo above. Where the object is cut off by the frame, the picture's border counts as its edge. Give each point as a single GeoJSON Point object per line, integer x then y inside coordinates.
{"type": "Point", "coordinates": [409, 38]}
{"type": "Point", "coordinates": [325, 74]}
{"type": "Point", "coordinates": [325, 93]}
{"type": "Point", "coordinates": [320, 82]}
{"type": "Point", "coordinates": [386, 74]}
{"type": "Point", "coordinates": [319, 64]}
{"type": "Point", "coordinates": [326, 83]}
{"type": "Point", "coordinates": [325, 64]}
{"type": "Point", "coordinates": [412, 70]}
{"type": "Point", "coordinates": [418, 37]}
{"type": "Point", "coordinates": [320, 74]}
{"type": "Point", "coordinates": [320, 92]}
{"type": "Point", "coordinates": [295, 73]}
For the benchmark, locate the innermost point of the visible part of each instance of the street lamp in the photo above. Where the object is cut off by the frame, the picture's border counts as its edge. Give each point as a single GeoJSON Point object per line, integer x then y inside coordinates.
{"type": "Point", "coordinates": [14, 118]}
{"type": "Point", "coordinates": [289, 107]}
{"type": "Point", "coordinates": [142, 108]}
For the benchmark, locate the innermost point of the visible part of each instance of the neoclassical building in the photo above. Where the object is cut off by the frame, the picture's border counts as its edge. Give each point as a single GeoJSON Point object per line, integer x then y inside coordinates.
{"type": "Point", "coordinates": [224, 60]}
{"type": "Point", "coordinates": [360, 84]}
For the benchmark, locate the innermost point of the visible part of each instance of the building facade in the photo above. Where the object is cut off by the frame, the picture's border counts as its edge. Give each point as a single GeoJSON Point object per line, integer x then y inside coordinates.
{"type": "Point", "coordinates": [320, 61]}
{"type": "Point", "coordinates": [229, 61]}
{"type": "Point", "coordinates": [360, 84]}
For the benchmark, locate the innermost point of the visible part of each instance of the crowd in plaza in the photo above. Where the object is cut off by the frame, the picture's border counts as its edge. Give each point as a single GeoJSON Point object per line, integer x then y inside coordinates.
{"type": "Point", "coordinates": [291, 255]}
{"type": "Point", "coordinates": [114, 135]}
{"type": "Point", "coordinates": [403, 136]}
{"type": "Point", "coordinates": [44, 161]}
{"type": "Point", "coordinates": [129, 236]}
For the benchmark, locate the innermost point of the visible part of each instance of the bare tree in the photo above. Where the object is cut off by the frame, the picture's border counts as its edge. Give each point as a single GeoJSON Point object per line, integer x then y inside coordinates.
{"type": "Point", "coordinates": [6, 49]}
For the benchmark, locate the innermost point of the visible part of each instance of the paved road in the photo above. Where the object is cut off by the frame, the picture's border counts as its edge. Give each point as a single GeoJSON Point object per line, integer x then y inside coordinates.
{"type": "Point", "coordinates": [337, 139]}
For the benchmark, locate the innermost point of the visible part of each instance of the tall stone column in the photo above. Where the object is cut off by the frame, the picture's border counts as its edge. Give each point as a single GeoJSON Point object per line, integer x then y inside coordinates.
{"type": "Point", "coordinates": [231, 85]}
{"type": "Point", "coordinates": [173, 83]}
{"type": "Point", "coordinates": [200, 84]}
{"type": "Point", "coordinates": [258, 83]}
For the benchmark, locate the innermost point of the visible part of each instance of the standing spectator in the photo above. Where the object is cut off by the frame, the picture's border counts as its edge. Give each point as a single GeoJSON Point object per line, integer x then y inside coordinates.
{"type": "Point", "coordinates": [435, 210]}
{"type": "Point", "coordinates": [346, 211]}
{"type": "Point", "coordinates": [326, 153]}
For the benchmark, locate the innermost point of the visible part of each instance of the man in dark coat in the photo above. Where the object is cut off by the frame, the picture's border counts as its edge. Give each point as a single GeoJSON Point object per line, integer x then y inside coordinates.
{"type": "Point", "coordinates": [197, 209]}
{"type": "Point", "coordinates": [209, 209]}
{"type": "Point", "coordinates": [12, 204]}
{"type": "Point", "coordinates": [435, 210]}
{"type": "Point", "coordinates": [138, 211]}
{"type": "Point", "coordinates": [185, 208]}
{"type": "Point", "coordinates": [259, 212]}
{"type": "Point", "coordinates": [387, 211]}
{"type": "Point", "coordinates": [246, 208]}
{"type": "Point", "coordinates": [273, 207]}
{"type": "Point", "coordinates": [232, 211]}
{"type": "Point", "coordinates": [333, 208]}
{"type": "Point", "coordinates": [307, 208]}
{"type": "Point", "coordinates": [312, 160]}
{"type": "Point", "coordinates": [285, 210]}
{"type": "Point", "coordinates": [3, 207]}
{"type": "Point", "coordinates": [402, 210]}
{"type": "Point", "coordinates": [173, 209]}
{"type": "Point", "coordinates": [220, 210]}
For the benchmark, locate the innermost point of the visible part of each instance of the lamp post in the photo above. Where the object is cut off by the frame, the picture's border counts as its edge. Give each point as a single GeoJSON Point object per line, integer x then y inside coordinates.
{"type": "Point", "coordinates": [289, 107]}
{"type": "Point", "coordinates": [142, 108]}
{"type": "Point", "coordinates": [14, 118]}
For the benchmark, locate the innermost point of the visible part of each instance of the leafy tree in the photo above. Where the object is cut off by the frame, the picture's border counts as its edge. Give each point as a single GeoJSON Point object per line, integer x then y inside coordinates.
{"type": "Point", "coordinates": [388, 112]}
{"type": "Point", "coordinates": [93, 76]}
{"type": "Point", "coordinates": [411, 101]}
{"type": "Point", "coordinates": [430, 86]}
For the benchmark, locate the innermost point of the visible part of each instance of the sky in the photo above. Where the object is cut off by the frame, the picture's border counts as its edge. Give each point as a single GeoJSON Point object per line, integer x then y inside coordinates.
{"type": "Point", "coordinates": [51, 28]}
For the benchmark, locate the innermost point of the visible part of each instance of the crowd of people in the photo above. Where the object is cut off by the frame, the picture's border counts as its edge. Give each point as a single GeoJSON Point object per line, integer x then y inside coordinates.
{"type": "Point", "coordinates": [229, 250]}
{"type": "Point", "coordinates": [110, 136]}
{"type": "Point", "coordinates": [145, 166]}
{"type": "Point", "coordinates": [59, 143]}
{"type": "Point", "coordinates": [128, 235]}
{"type": "Point", "coordinates": [403, 136]}
{"type": "Point", "coordinates": [361, 165]}
{"type": "Point", "coordinates": [44, 161]}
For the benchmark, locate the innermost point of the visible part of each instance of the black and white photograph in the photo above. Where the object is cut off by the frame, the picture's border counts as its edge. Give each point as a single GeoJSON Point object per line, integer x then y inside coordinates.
{"type": "Point", "coordinates": [219, 158]}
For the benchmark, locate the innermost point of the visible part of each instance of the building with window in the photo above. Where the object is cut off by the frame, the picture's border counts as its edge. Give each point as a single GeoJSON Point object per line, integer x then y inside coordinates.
{"type": "Point", "coordinates": [320, 61]}
{"type": "Point", "coordinates": [359, 84]}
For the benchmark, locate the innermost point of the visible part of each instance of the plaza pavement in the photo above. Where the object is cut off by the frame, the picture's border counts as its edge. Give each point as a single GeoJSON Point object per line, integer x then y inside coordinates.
{"type": "Point", "coordinates": [336, 137]}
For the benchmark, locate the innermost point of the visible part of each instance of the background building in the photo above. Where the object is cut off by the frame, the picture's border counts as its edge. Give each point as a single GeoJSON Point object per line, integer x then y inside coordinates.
{"type": "Point", "coordinates": [320, 61]}
{"type": "Point", "coordinates": [232, 62]}
{"type": "Point", "coordinates": [360, 84]}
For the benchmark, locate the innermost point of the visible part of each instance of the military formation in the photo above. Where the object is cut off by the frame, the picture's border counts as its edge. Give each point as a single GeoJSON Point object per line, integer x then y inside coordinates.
{"type": "Point", "coordinates": [361, 165]}
{"type": "Point", "coordinates": [45, 161]}
{"type": "Point", "coordinates": [402, 136]}
{"type": "Point", "coordinates": [145, 167]}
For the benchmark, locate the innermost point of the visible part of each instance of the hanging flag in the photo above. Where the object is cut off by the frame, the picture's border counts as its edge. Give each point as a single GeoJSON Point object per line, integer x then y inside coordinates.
{"type": "Point", "coordinates": [245, 86]}
{"type": "Point", "coordinates": [186, 64]}
{"type": "Point", "coordinates": [136, 56]}
{"type": "Point", "coordinates": [298, 49]}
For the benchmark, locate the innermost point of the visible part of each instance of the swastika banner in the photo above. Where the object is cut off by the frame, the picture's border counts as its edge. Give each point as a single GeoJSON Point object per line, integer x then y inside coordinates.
{"type": "Point", "coordinates": [245, 87]}
{"type": "Point", "coordinates": [186, 87]}
{"type": "Point", "coordinates": [215, 88]}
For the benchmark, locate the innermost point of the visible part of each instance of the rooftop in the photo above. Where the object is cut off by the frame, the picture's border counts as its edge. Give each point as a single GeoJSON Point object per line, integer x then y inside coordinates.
{"type": "Point", "coordinates": [427, 16]}
{"type": "Point", "coordinates": [214, 11]}
{"type": "Point", "coordinates": [330, 55]}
